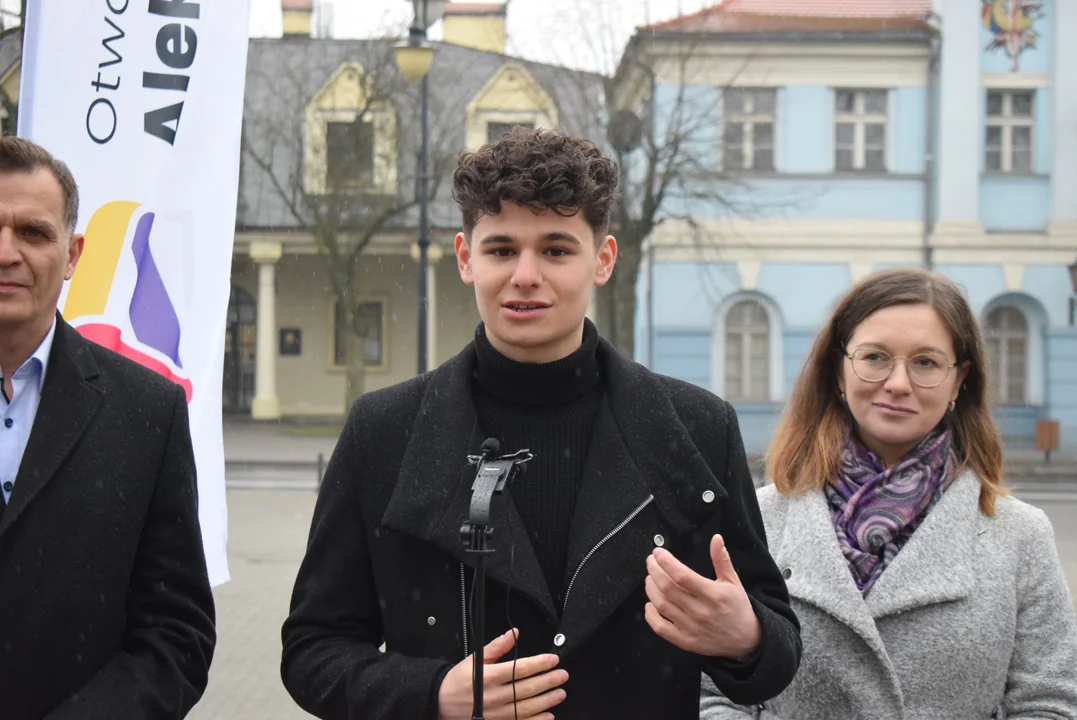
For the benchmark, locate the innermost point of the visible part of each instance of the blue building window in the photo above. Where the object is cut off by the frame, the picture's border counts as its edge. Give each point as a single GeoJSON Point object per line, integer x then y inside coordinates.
{"type": "Point", "coordinates": [1010, 121]}
{"type": "Point", "coordinates": [747, 352]}
{"type": "Point", "coordinates": [861, 118]}
{"type": "Point", "coordinates": [1007, 355]}
{"type": "Point", "coordinates": [749, 129]}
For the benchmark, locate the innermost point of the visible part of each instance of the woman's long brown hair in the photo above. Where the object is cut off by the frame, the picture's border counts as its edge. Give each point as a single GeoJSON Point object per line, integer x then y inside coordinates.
{"type": "Point", "coordinates": [804, 451]}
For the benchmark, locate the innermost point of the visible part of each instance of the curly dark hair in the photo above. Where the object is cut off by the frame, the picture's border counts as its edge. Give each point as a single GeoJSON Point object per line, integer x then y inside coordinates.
{"type": "Point", "coordinates": [539, 169]}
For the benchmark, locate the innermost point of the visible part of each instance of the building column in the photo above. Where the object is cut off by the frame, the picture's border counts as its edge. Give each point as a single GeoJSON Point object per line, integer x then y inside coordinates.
{"type": "Point", "coordinates": [266, 404]}
{"type": "Point", "coordinates": [1064, 150]}
{"type": "Point", "coordinates": [958, 143]}
{"type": "Point", "coordinates": [434, 253]}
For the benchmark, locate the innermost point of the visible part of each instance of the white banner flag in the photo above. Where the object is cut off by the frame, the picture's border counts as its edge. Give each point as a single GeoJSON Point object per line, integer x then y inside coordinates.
{"type": "Point", "coordinates": [144, 100]}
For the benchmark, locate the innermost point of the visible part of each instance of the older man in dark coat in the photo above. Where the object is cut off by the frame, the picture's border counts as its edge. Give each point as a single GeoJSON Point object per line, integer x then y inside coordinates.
{"type": "Point", "coordinates": [105, 606]}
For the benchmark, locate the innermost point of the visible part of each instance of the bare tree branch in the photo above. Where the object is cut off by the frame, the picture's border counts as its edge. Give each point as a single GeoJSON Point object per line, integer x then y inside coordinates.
{"type": "Point", "coordinates": [345, 201]}
{"type": "Point", "coordinates": [676, 168]}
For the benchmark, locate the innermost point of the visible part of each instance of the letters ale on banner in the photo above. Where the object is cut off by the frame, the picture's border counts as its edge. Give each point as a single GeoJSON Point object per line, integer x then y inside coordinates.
{"type": "Point", "coordinates": [144, 101]}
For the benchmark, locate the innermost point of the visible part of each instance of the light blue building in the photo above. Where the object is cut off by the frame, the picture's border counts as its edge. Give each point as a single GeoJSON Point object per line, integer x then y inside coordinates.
{"type": "Point", "coordinates": [941, 133]}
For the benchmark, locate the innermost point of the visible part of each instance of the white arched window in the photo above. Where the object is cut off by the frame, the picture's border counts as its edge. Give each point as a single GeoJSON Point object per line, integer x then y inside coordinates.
{"type": "Point", "coordinates": [747, 352]}
{"type": "Point", "coordinates": [1007, 340]}
{"type": "Point", "coordinates": [748, 349]}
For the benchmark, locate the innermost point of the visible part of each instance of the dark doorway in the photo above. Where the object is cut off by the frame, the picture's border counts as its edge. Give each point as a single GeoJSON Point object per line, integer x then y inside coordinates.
{"type": "Point", "coordinates": [239, 348]}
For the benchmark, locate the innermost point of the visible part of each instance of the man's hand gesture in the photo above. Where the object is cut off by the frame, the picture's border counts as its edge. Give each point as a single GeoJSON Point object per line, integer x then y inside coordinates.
{"type": "Point", "coordinates": [708, 617]}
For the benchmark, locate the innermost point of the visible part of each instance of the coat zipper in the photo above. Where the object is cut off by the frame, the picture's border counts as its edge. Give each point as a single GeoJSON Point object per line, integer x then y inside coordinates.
{"type": "Point", "coordinates": [602, 542]}
{"type": "Point", "coordinates": [463, 604]}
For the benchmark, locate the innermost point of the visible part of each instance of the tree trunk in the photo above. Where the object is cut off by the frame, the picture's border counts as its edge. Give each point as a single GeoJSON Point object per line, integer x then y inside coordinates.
{"type": "Point", "coordinates": [615, 304]}
{"type": "Point", "coordinates": [356, 368]}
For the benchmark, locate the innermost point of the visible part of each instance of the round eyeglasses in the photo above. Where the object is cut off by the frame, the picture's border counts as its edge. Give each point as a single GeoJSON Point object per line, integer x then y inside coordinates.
{"type": "Point", "coordinates": [927, 369]}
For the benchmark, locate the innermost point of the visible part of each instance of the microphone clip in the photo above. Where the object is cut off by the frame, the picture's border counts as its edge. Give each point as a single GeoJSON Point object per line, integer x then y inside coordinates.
{"type": "Point", "coordinates": [493, 474]}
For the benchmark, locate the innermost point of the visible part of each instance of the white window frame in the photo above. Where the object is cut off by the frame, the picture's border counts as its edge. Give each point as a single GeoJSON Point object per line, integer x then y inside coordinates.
{"type": "Point", "coordinates": [1003, 337]}
{"type": "Point", "coordinates": [859, 118]}
{"type": "Point", "coordinates": [1008, 121]}
{"type": "Point", "coordinates": [748, 120]}
{"type": "Point", "coordinates": [746, 368]}
{"type": "Point", "coordinates": [775, 347]}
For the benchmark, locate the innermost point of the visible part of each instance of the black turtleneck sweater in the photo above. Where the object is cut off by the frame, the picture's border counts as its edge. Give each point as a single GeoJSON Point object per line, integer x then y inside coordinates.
{"type": "Point", "coordinates": [548, 408]}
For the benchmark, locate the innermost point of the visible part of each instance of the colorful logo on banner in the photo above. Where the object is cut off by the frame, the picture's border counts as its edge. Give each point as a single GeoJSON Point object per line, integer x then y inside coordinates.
{"type": "Point", "coordinates": [152, 316]}
{"type": "Point", "coordinates": [1010, 21]}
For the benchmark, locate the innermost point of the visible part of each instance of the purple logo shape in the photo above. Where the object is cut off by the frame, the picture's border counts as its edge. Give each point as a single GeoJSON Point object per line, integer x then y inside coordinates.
{"type": "Point", "coordinates": [153, 318]}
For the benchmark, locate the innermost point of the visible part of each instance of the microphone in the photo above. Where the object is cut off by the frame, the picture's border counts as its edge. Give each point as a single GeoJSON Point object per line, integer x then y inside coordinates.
{"type": "Point", "coordinates": [492, 474]}
{"type": "Point", "coordinates": [491, 448]}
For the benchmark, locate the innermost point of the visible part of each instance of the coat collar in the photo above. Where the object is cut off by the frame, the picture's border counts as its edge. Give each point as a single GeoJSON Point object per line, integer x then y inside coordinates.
{"type": "Point", "coordinates": [433, 488]}
{"type": "Point", "coordinates": [640, 449]}
{"type": "Point", "coordinates": [935, 566]}
{"type": "Point", "coordinates": [817, 572]}
{"type": "Point", "coordinates": [70, 397]}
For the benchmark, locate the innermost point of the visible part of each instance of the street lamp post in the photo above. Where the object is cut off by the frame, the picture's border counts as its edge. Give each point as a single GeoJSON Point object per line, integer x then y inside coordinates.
{"type": "Point", "coordinates": [413, 58]}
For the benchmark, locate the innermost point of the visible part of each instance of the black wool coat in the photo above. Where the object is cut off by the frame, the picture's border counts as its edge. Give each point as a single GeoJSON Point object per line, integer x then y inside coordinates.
{"type": "Point", "coordinates": [385, 561]}
{"type": "Point", "coordinates": [105, 606]}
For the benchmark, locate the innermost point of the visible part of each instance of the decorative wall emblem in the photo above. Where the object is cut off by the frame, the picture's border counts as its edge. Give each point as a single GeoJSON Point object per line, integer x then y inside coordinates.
{"type": "Point", "coordinates": [1011, 22]}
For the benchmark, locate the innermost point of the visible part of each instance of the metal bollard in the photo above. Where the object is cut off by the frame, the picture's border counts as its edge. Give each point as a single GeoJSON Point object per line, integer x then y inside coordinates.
{"type": "Point", "coordinates": [321, 468]}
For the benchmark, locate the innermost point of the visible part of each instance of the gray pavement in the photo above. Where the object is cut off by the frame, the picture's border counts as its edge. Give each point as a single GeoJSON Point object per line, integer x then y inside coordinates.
{"type": "Point", "coordinates": [252, 443]}
{"type": "Point", "coordinates": [1063, 517]}
{"type": "Point", "coordinates": [267, 536]}
{"type": "Point", "coordinates": [247, 441]}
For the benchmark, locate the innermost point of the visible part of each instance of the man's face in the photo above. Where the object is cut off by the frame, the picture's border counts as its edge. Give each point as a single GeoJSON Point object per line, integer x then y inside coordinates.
{"type": "Point", "coordinates": [534, 275]}
{"type": "Point", "coordinates": [37, 253]}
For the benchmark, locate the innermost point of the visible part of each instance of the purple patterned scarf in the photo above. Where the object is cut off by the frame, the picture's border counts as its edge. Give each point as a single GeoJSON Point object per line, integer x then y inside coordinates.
{"type": "Point", "coordinates": [875, 509]}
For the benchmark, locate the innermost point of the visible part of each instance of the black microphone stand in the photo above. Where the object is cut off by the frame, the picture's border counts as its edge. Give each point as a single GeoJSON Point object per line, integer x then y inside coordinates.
{"type": "Point", "coordinates": [490, 479]}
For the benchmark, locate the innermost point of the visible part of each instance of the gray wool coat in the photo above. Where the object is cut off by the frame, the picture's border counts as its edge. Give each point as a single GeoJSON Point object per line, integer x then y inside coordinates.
{"type": "Point", "coordinates": [972, 619]}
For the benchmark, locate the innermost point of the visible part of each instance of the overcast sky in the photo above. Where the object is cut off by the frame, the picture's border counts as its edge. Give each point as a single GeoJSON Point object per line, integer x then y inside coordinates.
{"type": "Point", "coordinates": [586, 34]}
{"type": "Point", "coordinates": [545, 30]}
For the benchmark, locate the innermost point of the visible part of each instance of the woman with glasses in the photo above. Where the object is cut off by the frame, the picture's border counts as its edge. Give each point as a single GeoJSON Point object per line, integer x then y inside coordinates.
{"type": "Point", "coordinates": [923, 589]}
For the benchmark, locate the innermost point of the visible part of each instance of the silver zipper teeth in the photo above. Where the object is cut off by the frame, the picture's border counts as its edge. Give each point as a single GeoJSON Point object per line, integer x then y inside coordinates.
{"type": "Point", "coordinates": [463, 604]}
{"type": "Point", "coordinates": [602, 542]}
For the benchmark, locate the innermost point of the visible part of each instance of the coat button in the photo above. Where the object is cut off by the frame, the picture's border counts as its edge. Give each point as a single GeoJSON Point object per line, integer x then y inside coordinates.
{"type": "Point", "coordinates": [431, 621]}
{"type": "Point", "coordinates": [659, 541]}
{"type": "Point", "coordinates": [708, 496]}
{"type": "Point", "coordinates": [787, 573]}
{"type": "Point", "coordinates": [558, 639]}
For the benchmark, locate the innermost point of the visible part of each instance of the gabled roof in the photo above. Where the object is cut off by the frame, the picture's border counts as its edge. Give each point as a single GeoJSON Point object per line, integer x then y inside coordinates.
{"type": "Point", "coordinates": [733, 16]}
{"type": "Point", "coordinates": [283, 74]}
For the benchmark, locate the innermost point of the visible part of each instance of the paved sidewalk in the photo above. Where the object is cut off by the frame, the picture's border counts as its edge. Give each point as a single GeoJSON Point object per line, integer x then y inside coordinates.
{"type": "Point", "coordinates": [267, 538]}
{"type": "Point", "coordinates": [251, 443]}
{"type": "Point", "coordinates": [247, 441]}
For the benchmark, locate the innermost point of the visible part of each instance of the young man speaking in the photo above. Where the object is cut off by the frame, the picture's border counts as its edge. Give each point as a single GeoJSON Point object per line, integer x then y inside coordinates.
{"type": "Point", "coordinates": [630, 556]}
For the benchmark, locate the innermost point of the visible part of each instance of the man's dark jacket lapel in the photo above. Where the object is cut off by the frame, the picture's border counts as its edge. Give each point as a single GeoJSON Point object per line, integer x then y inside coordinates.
{"type": "Point", "coordinates": [70, 397]}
